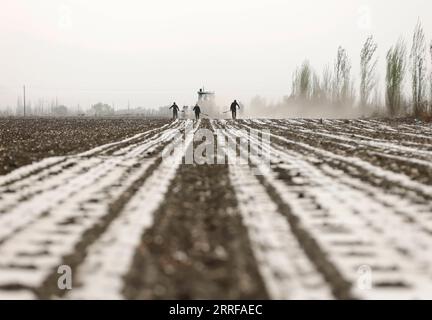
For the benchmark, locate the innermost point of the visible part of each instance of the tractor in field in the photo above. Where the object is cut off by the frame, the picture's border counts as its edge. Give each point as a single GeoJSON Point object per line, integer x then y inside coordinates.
{"type": "Point", "coordinates": [206, 100]}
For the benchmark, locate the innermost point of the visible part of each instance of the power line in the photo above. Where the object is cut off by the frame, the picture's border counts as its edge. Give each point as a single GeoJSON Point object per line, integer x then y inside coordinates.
{"type": "Point", "coordinates": [24, 94]}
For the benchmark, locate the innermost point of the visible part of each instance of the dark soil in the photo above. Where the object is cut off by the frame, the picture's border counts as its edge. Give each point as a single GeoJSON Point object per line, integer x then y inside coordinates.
{"type": "Point", "coordinates": [198, 247]}
{"type": "Point", "coordinates": [26, 140]}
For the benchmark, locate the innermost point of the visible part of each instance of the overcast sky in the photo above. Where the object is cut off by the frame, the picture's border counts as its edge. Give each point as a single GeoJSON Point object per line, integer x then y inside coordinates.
{"type": "Point", "coordinates": [155, 52]}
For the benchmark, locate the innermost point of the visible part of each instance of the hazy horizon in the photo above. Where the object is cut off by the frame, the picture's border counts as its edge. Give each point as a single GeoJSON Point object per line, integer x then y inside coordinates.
{"type": "Point", "coordinates": [153, 54]}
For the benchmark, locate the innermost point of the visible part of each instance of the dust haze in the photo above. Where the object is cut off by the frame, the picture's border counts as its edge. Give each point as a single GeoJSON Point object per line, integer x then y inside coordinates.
{"type": "Point", "coordinates": [147, 55]}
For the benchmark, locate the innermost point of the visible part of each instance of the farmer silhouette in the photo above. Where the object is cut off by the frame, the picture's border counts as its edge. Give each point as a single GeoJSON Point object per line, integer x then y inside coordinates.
{"type": "Point", "coordinates": [175, 110]}
{"type": "Point", "coordinates": [233, 109]}
{"type": "Point", "coordinates": [197, 111]}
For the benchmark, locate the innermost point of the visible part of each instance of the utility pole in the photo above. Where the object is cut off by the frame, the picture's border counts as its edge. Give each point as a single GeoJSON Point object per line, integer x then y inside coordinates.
{"type": "Point", "coordinates": [24, 101]}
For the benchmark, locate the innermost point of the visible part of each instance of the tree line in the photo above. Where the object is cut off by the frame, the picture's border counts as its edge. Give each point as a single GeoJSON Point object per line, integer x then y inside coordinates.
{"type": "Point", "coordinates": [408, 83]}
{"type": "Point", "coordinates": [99, 109]}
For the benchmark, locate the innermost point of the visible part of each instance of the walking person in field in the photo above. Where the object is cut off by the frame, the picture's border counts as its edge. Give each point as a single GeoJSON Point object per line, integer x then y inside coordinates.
{"type": "Point", "coordinates": [197, 111]}
{"type": "Point", "coordinates": [233, 109]}
{"type": "Point", "coordinates": [175, 110]}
